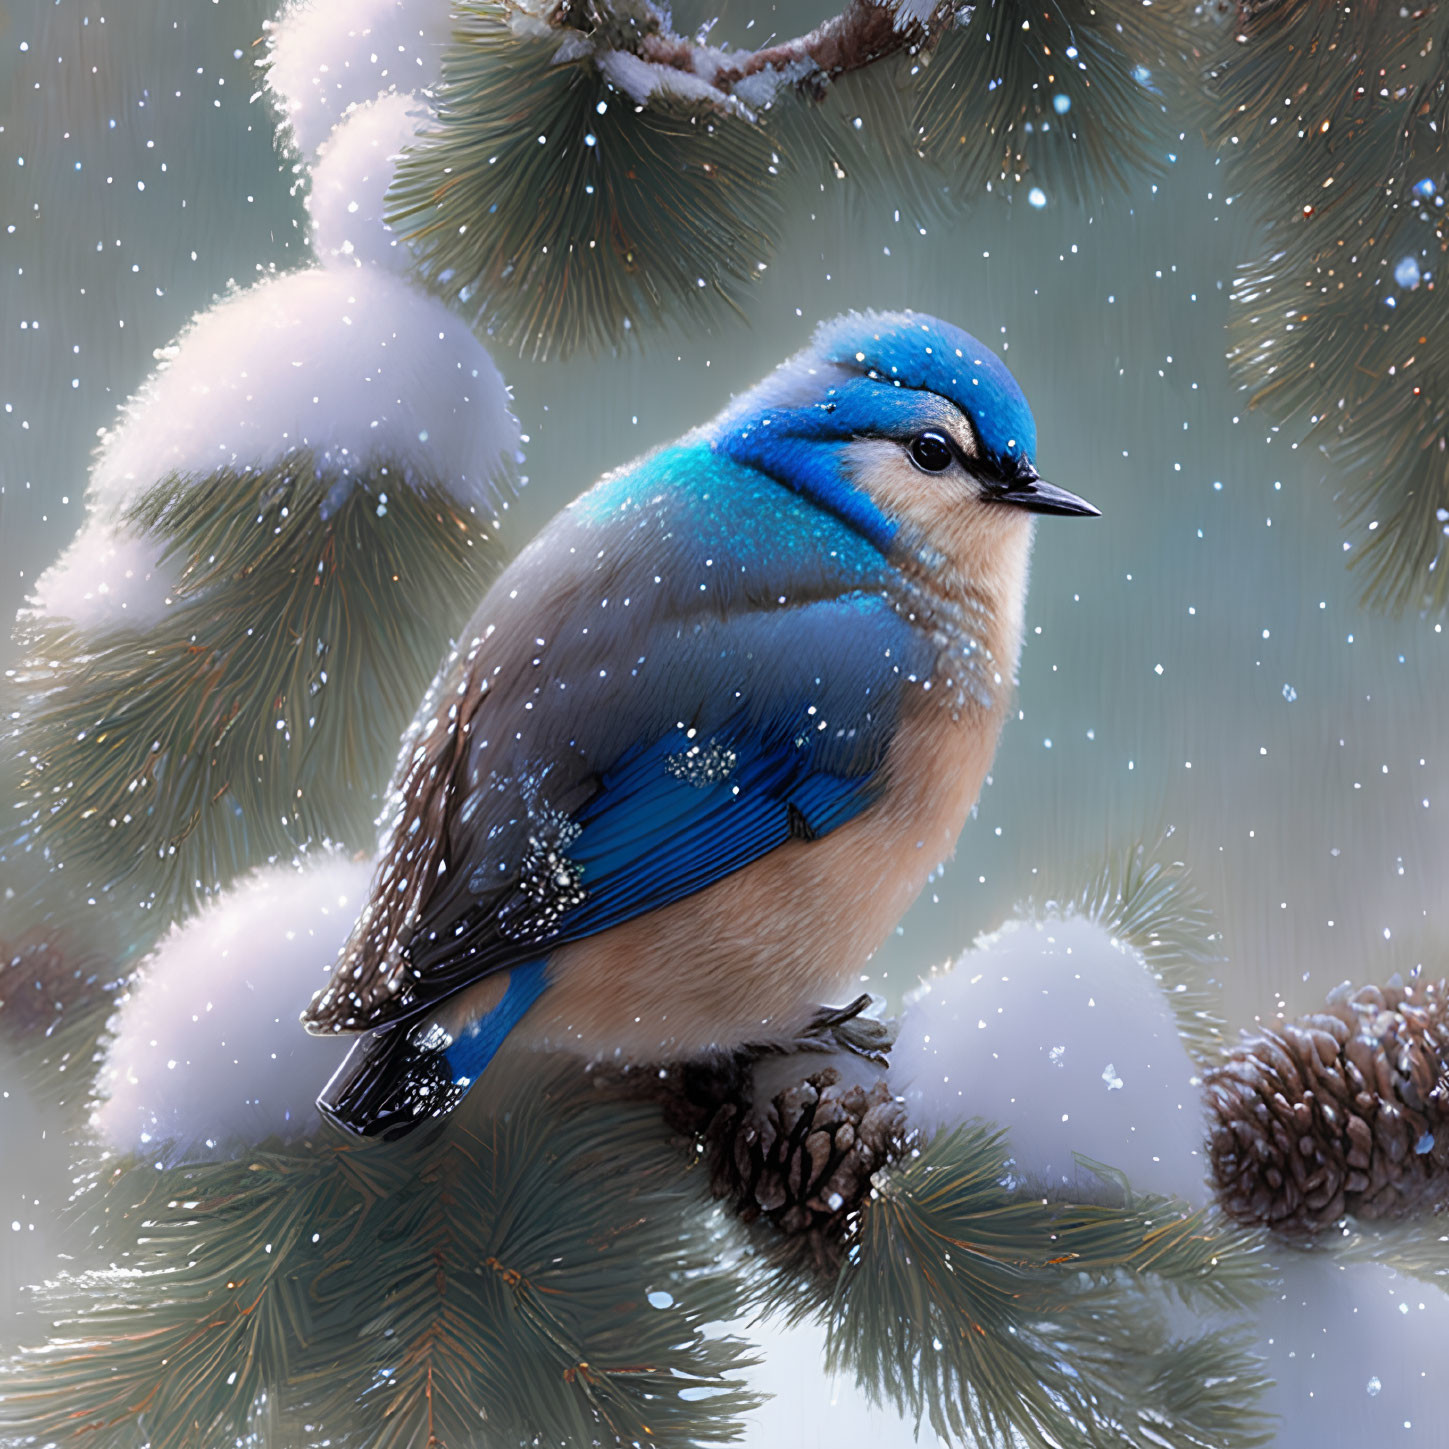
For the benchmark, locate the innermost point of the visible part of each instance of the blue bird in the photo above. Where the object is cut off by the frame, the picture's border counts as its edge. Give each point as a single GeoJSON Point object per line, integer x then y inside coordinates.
{"type": "Point", "coordinates": [705, 739]}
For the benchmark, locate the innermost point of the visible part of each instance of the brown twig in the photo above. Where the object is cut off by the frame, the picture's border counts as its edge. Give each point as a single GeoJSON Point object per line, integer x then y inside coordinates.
{"type": "Point", "coordinates": [864, 32]}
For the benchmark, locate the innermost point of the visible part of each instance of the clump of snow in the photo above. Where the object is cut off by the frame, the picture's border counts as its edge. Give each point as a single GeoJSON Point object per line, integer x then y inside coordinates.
{"type": "Point", "coordinates": [350, 180]}
{"type": "Point", "coordinates": [1060, 1034]}
{"type": "Point", "coordinates": [325, 55]}
{"type": "Point", "coordinates": [757, 92]}
{"type": "Point", "coordinates": [644, 81]}
{"type": "Point", "coordinates": [108, 578]}
{"type": "Point", "coordinates": [206, 1053]}
{"type": "Point", "coordinates": [352, 364]}
{"type": "Point", "coordinates": [1356, 1352]}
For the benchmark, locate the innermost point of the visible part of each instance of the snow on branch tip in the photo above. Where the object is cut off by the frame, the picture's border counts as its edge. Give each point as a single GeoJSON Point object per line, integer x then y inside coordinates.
{"type": "Point", "coordinates": [355, 366]}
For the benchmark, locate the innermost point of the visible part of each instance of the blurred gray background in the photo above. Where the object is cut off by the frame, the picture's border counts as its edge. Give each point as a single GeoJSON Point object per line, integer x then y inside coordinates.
{"type": "Point", "coordinates": [1196, 660]}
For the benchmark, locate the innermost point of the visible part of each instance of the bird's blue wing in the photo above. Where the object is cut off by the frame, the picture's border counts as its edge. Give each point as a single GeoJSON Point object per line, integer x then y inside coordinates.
{"type": "Point", "coordinates": [750, 731]}
{"type": "Point", "coordinates": [677, 815]}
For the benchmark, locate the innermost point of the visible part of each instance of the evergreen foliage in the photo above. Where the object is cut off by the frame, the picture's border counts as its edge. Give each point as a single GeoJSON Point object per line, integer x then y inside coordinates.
{"type": "Point", "coordinates": [1006, 1319]}
{"type": "Point", "coordinates": [264, 709]}
{"type": "Point", "coordinates": [1335, 122]}
{"type": "Point", "coordinates": [558, 212]}
{"type": "Point", "coordinates": [486, 1287]}
{"type": "Point", "coordinates": [1067, 96]}
{"type": "Point", "coordinates": [592, 175]}
{"type": "Point", "coordinates": [546, 1270]}
{"type": "Point", "coordinates": [860, 139]}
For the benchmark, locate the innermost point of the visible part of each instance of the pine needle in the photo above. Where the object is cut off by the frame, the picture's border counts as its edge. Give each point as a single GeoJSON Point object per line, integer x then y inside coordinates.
{"type": "Point", "coordinates": [860, 140]}
{"type": "Point", "coordinates": [1416, 1249]}
{"type": "Point", "coordinates": [264, 710]}
{"type": "Point", "coordinates": [1335, 119]}
{"type": "Point", "coordinates": [490, 1282]}
{"type": "Point", "coordinates": [1004, 1320]}
{"type": "Point", "coordinates": [1067, 94]}
{"type": "Point", "coordinates": [560, 214]}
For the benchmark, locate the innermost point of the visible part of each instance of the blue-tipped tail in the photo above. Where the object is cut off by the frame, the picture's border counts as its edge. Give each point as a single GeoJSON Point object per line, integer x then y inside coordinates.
{"type": "Point", "coordinates": [395, 1079]}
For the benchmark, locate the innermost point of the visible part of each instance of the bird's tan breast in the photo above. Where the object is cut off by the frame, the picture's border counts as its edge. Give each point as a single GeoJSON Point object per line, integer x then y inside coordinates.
{"type": "Point", "coordinates": [749, 958]}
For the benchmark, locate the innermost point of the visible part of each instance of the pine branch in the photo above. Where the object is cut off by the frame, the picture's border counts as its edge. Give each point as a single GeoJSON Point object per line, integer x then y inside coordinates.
{"type": "Point", "coordinates": [591, 173]}
{"type": "Point", "coordinates": [865, 32]}
{"type": "Point", "coordinates": [960, 1299]}
{"type": "Point", "coordinates": [198, 1318]}
{"type": "Point", "coordinates": [1153, 1390]}
{"type": "Point", "coordinates": [840, 101]}
{"type": "Point", "coordinates": [1313, 108]}
{"type": "Point", "coordinates": [491, 1281]}
{"type": "Point", "coordinates": [1336, 119]}
{"type": "Point", "coordinates": [264, 709]}
{"type": "Point", "coordinates": [560, 212]}
{"type": "Point", "coordinates": [1195, 1252]}
{"type": "Point", "coordinates": [950, 1293]}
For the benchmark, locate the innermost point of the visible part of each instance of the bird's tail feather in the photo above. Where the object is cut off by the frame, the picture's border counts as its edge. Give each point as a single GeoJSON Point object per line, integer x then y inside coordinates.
{"type": "Point", "coordinates": [398, 1077]}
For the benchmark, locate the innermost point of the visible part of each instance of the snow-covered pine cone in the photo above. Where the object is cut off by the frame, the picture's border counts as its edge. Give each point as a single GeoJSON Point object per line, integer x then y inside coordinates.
{"type": "Point", "coordinates": [1342, 1111]}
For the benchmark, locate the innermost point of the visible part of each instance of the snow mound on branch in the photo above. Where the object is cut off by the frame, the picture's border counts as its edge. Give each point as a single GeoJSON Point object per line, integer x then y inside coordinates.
{"type": "Point", "coordinates": [324, 55]}
{"type": "Point", "coordinates": [350, 180]}
{"type": "Point", "coordinates": [352, 364]}
{"type": "Point", "coordinates": [206, 1052]}
{"type": "Point", "coordinates": [1058, 1033]}
{"type": "Point", "coordinates": [645, 81]}
{"type": "Point", "coordinates": [108, 578]}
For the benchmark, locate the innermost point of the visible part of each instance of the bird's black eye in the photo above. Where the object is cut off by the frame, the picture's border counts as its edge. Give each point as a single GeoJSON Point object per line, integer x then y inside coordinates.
{"type": "Point", "coordinates": [931, 453]}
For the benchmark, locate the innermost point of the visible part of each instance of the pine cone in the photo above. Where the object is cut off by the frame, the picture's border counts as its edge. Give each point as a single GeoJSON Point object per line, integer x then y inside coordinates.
{"type": "Point", "coordinates": [1343, 1111]}
{"type": "Point", "coordinates": [800, 1157]}
{"type": "Point", "coordinates": [804, 1159]}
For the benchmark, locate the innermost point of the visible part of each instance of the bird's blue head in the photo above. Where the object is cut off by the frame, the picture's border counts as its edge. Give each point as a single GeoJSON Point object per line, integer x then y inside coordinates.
{"type": "Point", "coordinates": [878, 393]}
{"type": "Point", "coordinates": [908, 350]}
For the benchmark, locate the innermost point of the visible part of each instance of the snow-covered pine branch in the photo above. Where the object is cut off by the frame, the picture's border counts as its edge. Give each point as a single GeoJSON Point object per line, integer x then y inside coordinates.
{"type": "Point", "coordinates": [350, 365]}
{"type": "Point", "coordinates": [634, 44]}
{"type": "Point", "coordinates": [285, 525]}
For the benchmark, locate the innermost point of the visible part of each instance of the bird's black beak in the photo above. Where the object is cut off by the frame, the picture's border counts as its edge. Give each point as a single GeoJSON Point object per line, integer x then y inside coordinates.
{"type": "Point", "coordinates": [1036, 495]}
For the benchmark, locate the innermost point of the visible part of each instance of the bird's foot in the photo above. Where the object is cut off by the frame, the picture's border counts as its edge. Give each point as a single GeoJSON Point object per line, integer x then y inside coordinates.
{"type": "Point", "coordinates": [847, 1028]}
